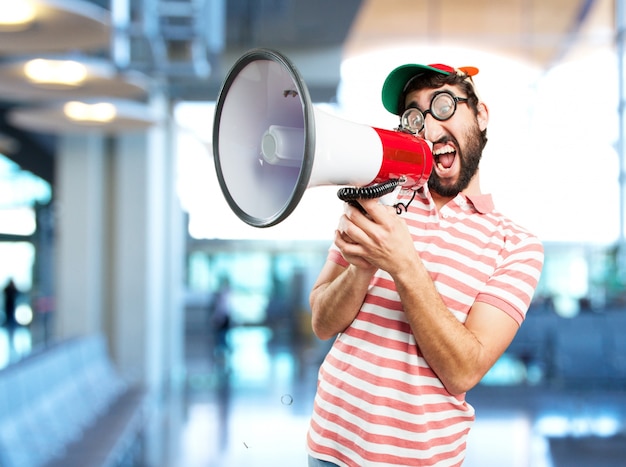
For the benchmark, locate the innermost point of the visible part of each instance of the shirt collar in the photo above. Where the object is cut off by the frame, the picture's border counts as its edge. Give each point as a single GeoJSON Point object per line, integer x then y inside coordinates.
{"type": "Point", "coordinates": [483, 203]}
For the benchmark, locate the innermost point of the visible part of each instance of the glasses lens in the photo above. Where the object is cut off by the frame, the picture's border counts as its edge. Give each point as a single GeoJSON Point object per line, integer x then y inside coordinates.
{"type": "Point", "coordinates": [443, 106]}
{"type": "Point", "coordinates": [412, 120]}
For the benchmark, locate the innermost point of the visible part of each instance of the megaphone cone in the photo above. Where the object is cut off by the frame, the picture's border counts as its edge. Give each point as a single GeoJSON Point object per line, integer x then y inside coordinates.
{"type": "Point", "coordinates": [270, 143]}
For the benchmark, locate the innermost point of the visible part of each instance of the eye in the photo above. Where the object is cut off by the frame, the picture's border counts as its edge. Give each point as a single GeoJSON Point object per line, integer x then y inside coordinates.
{"type": "Point", "coordinates": [443, 106]}
{"type": "Point", "coordinates": [412, 120]}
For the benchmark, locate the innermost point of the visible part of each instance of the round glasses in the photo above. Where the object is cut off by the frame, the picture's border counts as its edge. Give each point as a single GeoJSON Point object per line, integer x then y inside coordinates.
{"type": "Point", "coordinates": [442, 107]}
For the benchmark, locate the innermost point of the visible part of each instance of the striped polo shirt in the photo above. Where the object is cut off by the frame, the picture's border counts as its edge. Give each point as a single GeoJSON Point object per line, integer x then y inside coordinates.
{"type": "Point", "coordinates": [378, 403]}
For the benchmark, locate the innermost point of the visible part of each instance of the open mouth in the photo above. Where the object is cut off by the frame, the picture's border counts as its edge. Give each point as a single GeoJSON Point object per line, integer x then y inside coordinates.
{"type": "Point", "coordinates": [444, 157]}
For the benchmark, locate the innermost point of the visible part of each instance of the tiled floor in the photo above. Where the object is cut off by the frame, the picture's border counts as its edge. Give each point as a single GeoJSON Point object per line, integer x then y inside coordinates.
{"type": "Point", "coordinates": [258, 416]}
{"type": "Point", "coordinates": [254, 411]}
{"type": "Point", "coordinates": [251, 409]}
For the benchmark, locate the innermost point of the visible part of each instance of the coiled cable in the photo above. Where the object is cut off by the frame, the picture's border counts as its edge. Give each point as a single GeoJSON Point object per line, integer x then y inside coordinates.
{"type": "Point", "coordinates": [368, 192]}
{"type": "Point", "coordinates": [351, 195]}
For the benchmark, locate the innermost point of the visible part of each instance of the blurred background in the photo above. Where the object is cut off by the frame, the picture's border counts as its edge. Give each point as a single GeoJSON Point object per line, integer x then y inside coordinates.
{"type": "Point", "coordinates": [112, 222]}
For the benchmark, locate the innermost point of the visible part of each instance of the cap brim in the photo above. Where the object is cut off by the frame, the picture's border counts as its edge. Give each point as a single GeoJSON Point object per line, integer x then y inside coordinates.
{"type": "Point", "coordinates": [397, 79]}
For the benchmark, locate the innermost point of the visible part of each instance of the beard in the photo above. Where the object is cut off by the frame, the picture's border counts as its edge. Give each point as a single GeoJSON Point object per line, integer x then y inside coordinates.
{"type": "Point", "coordinates": [469, 156]}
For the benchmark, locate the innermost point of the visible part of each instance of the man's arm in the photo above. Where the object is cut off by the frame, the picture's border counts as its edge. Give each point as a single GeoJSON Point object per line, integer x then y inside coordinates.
{"type": "Point", "coordinates": [337, 297]}
{"type": "Point", "coordinates": [339, 291]}
{"type": "Point", "coordinates": [460, 354]}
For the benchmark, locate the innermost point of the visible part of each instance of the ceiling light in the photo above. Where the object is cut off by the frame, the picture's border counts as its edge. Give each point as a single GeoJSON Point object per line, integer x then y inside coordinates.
{"type": "Point", "coordinates": [18, 16]}
{"type": "Point", "coordinates": [56, 26]}
{"type": "Point", "coordinates": [101, 80]}
{"type": "Point", "coordinates": [101, 112]}
{"type": "Point", "coordinates": [55, 73]}
{"type": "Point", "coordinates": [112, 116]}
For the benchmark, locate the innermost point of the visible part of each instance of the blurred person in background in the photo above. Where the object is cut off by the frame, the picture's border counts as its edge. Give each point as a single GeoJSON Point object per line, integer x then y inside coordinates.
{"type": "Point", "coordinates": [220, 319]}
{"type": "Point", "coordinates": [10, 304]}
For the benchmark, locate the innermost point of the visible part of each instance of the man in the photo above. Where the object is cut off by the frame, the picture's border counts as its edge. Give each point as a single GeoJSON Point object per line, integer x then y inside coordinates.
{"type": "Point", "coordinates": [422, 303]}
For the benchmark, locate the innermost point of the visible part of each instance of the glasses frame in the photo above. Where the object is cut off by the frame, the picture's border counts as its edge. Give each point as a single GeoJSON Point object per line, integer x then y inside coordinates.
{"type": "Point", "coordinates": [455, 100]}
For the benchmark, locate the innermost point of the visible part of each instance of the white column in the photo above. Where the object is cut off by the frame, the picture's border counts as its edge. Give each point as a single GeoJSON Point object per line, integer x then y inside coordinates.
{"type": "Point", "coordinates": [80, 210]}
{"type": "Point", "coordinates": [176, 231]}
{"type": "Point", "coordinates": [120, 248]}
{"type": "Point", "coordinates": [146, 274]}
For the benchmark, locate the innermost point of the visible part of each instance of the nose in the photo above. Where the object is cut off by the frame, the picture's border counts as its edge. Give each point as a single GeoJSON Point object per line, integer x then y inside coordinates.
{"type": "Point", "coordinates": [432, 128]}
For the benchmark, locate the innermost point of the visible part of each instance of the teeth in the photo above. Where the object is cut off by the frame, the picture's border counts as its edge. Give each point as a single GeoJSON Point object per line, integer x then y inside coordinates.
{"type": "Point", "coordinates": [440, 166]}
{"type": "Point", "coordinates": [447, 150]}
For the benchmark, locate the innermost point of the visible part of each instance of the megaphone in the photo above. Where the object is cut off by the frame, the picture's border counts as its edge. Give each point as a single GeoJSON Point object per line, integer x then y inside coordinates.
{"type": "Point", "coordinates": [270, 143]}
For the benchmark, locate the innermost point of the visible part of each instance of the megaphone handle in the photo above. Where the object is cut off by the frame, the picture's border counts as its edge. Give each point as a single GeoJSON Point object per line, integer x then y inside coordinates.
{"type": "Point", "coordinates": [357, 205]}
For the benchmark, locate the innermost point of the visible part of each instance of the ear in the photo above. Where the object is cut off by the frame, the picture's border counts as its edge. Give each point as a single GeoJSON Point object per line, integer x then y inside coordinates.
{"type": "Point", "coordinates": [482, 116]}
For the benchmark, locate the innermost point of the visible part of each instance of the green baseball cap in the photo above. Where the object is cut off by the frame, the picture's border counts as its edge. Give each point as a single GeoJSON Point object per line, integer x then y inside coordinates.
{"type": "Point", "coordinates": [399, 78]}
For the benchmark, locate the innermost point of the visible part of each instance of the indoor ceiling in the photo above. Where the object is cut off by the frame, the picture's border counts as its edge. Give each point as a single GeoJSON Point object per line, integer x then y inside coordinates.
{"type": "Point", "coordinates": [541, 32]}
{"type": "Point", "coordinates": [190, 52]}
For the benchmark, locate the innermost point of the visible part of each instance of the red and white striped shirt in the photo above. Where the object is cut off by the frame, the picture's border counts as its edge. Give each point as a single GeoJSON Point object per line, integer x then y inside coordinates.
{"type": "Point", "coordinates": [378, 403]}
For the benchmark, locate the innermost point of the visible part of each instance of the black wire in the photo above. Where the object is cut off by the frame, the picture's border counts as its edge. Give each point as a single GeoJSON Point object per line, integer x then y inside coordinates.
{"type": "Point", "coordinates": [400, 206]}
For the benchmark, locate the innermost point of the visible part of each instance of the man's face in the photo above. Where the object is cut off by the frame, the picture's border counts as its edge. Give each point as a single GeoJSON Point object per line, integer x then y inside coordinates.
{"type": "Point", "coordinates": [456, 142]}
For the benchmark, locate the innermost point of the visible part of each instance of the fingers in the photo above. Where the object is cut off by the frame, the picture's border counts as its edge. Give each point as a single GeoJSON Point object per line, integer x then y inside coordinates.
{"type": "Point", "coordinates": [351, 225]}
{"type": "Point", "coordinates": [344, 237]}
{"type": "Point", "coordinates": [351, 251]}
{"type": "Point", "coordinates": [376, 212]}
{"type": "Point", "coordinates": [379, 223]}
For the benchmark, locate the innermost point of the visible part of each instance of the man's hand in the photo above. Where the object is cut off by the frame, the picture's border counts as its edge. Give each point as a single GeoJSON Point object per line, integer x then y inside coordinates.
{"type": "Point", "coordinates": [379, 239]}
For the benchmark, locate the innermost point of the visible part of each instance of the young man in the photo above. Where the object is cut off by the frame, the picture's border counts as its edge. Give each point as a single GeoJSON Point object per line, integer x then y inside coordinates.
{"type": "Point", "coordinates": [422, 303]}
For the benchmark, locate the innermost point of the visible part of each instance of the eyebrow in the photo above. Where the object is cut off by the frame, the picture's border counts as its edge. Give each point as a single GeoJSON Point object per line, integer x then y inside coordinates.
{"type": "Point", "coordinates": [431, 96]}
{"type": "Point", "coordinates": [412, 105]}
